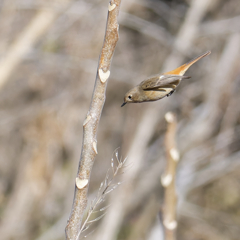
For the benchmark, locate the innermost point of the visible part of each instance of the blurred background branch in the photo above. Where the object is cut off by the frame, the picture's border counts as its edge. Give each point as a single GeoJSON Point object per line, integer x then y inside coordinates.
{"type": "Point", "coordinates": [168, 180]}
{"type": "Point", "coordinates": [27, 38]}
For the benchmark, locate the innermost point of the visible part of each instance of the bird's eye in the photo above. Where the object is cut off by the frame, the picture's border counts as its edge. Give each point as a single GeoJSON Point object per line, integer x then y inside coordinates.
{"type": "Point", "coordinates": [129, 97]}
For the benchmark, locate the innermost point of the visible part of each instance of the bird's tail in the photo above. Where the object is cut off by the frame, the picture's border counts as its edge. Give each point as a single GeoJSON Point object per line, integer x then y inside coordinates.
{"type": "Point", "coordinates": [182, 69]}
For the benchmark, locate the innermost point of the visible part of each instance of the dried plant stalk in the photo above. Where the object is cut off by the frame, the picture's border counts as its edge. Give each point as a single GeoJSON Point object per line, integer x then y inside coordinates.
{"type": "Point", "coordinates": [106, 187]}
{"type": "Point", "coordinates": [90, 125]}
{"type": "Point", "coordinates": [168, 179]}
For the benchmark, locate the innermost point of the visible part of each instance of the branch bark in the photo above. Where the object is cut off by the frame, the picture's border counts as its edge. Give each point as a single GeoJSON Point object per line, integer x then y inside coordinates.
{"type": "Point", "coordinates": [168, 179]}
{"type": "Point", "coordinates": [90, 125]}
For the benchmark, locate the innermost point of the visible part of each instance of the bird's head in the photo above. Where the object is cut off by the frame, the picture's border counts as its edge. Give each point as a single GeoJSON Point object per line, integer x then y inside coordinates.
{"type": "Point", "coordinates": [132, 96]}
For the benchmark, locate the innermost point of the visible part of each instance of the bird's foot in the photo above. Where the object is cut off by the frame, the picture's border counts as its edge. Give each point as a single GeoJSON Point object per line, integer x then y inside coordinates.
{"type": "Point", "coordinates": [169, 94]}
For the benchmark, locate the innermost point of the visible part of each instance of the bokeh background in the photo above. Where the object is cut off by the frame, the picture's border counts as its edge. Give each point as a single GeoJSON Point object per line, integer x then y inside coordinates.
{"type": "Point", "coordinates": [48, 59]}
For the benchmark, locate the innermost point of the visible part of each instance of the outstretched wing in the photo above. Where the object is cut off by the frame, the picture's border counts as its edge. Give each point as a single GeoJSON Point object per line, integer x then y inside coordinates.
{"type": "Point", "coordinates": [163, 81]}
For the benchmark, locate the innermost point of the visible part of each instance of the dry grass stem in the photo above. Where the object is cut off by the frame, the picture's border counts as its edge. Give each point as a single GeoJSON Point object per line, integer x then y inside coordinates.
{"type": "Point", "coordinates": [106, 187]}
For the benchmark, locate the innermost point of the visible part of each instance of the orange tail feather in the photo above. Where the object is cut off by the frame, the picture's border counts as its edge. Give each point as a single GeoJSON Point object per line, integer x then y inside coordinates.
{"type": "Point", "coordinates": [182, 69]}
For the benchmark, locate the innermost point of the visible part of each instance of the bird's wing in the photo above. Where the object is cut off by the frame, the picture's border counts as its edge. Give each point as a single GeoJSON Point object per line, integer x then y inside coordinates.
{"type": "Point", "coordinates": [162, 81]}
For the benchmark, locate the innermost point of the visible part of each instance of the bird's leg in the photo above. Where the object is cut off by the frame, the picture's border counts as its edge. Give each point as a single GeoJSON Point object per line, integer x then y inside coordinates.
{"type": "Point", "coordinates": [169, 94]}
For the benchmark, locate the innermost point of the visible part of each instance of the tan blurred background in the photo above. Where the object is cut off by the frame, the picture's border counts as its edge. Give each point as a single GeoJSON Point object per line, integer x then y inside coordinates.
{"type": "Point", "coordinates": [48, 59]}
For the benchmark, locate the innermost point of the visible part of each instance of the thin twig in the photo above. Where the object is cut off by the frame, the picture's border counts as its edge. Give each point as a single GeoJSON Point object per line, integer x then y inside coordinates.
{"type": "Point", "coordinates": [90, 125]}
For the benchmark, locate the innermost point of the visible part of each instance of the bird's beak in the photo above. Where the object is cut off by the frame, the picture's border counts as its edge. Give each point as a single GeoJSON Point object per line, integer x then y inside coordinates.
{"type": "Point", "coordinates": [123, 104]}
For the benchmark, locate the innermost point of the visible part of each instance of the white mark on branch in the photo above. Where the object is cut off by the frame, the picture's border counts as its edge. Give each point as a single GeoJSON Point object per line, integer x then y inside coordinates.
{"type": "Point", "coordinates": [87, 119]}
{"type": "Point", "coordinates": [95, 147]}
{"type": "Point", "coordinates": [174, 154]}
{"type": "Point", "coordinates": [111, 6]}
{"type": "Point", "coordinates": [103, 75]}
{"type": "Point", "coordinates": [166, 180]}
{"type": "Point", "coordinates": [81, 183]}
{"type": "Point", "coordinates": [169, 117]}
{"type": "Point", "coordinates": [170, 225]}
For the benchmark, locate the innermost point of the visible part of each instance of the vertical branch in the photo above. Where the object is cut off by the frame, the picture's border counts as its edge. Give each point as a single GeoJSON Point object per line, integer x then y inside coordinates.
{"type": "Point", "coordinates": [168, 179]}
{"type": "Point", "coordinates": [90, 125]}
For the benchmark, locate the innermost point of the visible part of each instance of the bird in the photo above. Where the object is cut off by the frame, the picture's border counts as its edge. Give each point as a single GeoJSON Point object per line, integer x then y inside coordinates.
{"type": "Point", "coordinates": [159, 86]}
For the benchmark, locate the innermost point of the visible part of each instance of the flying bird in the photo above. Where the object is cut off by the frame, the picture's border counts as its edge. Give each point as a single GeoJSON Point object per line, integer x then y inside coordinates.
{"type": "Point", "coordinates": [159, 86]}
